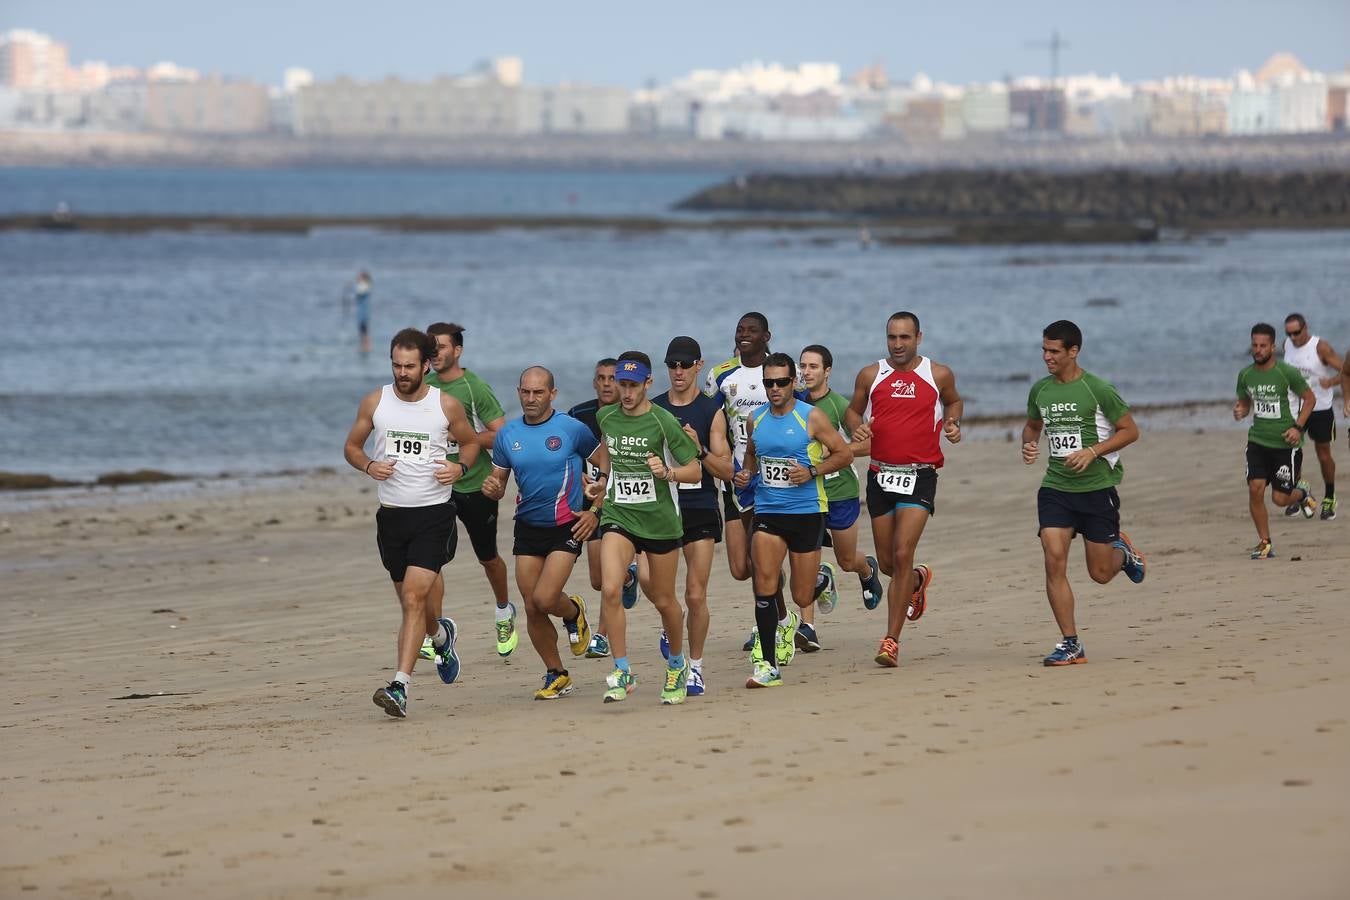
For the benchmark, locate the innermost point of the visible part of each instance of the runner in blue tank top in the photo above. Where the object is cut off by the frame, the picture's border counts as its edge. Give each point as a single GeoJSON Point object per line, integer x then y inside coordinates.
{"type": "Point", "coordinates": [786, 447]}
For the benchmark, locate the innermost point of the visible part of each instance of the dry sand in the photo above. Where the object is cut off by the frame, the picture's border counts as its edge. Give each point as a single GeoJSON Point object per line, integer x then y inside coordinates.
{"type": "Point", "coordinates": [1205, 750]}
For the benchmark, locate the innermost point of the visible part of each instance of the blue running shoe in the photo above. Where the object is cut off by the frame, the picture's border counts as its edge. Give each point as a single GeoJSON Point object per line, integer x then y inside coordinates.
{"type": "Point", "coordinates": [1134, 560]}
{"type": "Point", "coordinates": [447, 660]}
{"type": "Point", "coordinates": [750, 641]}
{"type": "Point", "coordinates": [694, 687]}
{"type": "Point", "coordinates": [630, 587]}
{"type": "Point", "coordinates": [1066, 654]}
{"type": "Point", "coordinates": [665, 645]}
{"type": "Point", "coordinates": [393, 700]}
{"type": "Point", "coordinates": [806, 639]}
{"type": "Point", "coordinates": [872, 588]}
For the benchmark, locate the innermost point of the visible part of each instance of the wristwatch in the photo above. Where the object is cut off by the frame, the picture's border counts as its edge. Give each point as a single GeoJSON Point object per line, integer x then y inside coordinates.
{"type": "Point", "coordinates": [815, 473]}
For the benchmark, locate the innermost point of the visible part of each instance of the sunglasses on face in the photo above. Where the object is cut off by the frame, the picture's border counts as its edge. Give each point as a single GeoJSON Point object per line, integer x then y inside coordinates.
{"type": "Point", "coordinates": [678, 364]}
{"type": "Point", "coordinates": [1293, 333]}
{"type": "Point", "coordinates": [778, 382]}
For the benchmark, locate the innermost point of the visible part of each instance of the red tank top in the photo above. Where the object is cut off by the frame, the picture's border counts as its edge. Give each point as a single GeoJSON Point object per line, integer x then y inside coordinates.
{"type": "Point", "coordinates": [906, 414]}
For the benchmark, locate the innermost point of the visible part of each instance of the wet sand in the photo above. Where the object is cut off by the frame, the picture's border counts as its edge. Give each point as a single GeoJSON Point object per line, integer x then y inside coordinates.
{"type": "Point", "coordinates": [1202, 750]}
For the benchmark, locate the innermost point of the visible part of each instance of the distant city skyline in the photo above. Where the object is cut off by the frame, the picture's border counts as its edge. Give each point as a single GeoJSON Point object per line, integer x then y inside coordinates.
{"type": "Point", "coordinates": [613, 44]}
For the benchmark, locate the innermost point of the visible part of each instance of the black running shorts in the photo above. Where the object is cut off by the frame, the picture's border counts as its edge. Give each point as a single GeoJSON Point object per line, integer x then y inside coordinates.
{"type": "Point", "coordinates": [701, 525]}
{"type": "Point", "coordinates": [803, 532]}
{"type": "Point", "coordinates": [478, 512]}
{"type": "Point", "coordinates": [1274, 465]}
{"type": "Point", "coordinates": [532, 540]}
{"type": "Point", "coordinates": [1322, 426]}
{"type": "Point", "coordinates": [420, 536]}
{"type": "Point", "coordinates": [1093, 514]}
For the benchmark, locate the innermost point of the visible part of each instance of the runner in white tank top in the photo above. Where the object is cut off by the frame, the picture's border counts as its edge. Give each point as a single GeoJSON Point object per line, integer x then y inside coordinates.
{"type": "Point", "coordinates": [1321, 367]}
{"type": "Point", "coordinates": [413, 424]}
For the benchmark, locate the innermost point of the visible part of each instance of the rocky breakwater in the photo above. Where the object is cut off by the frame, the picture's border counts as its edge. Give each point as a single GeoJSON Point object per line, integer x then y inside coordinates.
{"type": "Point", "coordinates": [1003, 199]}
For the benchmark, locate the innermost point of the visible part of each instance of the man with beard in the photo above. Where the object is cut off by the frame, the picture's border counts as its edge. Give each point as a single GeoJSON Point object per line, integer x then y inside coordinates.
{"type": "Point", "coordinates": [415, 525]}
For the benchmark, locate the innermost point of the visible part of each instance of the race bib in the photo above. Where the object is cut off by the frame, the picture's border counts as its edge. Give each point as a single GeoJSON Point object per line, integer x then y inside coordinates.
{"type": "Point", "coordinates": [1267, 409]}
{"type": "Point", "coordinates": [773, 472]}
{"type": "Point", "coordinates": [741, 432]}
{"type": "Point", "coordinates": [632, 488]}
{"type": "Point", "coordinates": [1064, 442]}
{"type": "Point", "coordinates": [593, 471]}
{"type": "Point", "coordinates": [451, 448]}
{"type": "Point", "coordinates": [407, 445]}
{"type": "Point", "coordinates": [834, 474]}
{"type": "Point", "coordinates": [897, 479]}
{"type": "Point", "coordinates": [691, 487]}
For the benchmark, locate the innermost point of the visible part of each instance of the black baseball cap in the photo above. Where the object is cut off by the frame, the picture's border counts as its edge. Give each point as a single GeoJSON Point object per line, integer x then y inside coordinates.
{"type": "Point", "coordinates": [683, 349]}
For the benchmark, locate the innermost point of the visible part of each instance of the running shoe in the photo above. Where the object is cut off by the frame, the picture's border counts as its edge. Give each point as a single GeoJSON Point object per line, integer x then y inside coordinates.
{"type": "Point", "coordinates": [677, 683]}
{"type": "Point", "coordinates": [630, 587]}
{"type": "Point", "coordinates": [918, 601]}
{"type": "Point", "coordinates": [695, 686]}
{"type": "Point", "coordinates": [447, 660]}
{"type": "Point", "coordinates": [1328, 509]}
{"type": "Point", "coordinates": [556, 684]}
{"type": "Point", "coordinates": [750, 641]}
{"type": "Point", "coordinates": [598, 648]}
{"type": "Point", "coordinates": [578, 629]}
{"type": "Point", "coordinates": [888, 653]}
{"type": "Point", "coordinates": [393, 700]}
{"type": "Point", "coordinates": [1263, 550]}
{"type": "Point", "coordinates": [1293, 509]}
{"type": "Point", "coordinates": [1066, 654]}
{"type": "Point", "coordinates": [827, 589]}
{"type": "Point", "coordinates": [872, 589]}
{"type": "Point", "coordinates": [1134, 560]}
{"type": "Point", "coordinates": [507, 636]}
{"type": "Point", "coordinates": [786, 639]}
{"type": "Point", "coordinates": [806, 639]}
{"type": "Point", "coordinates": [764, 676]}
{"type": "Point", "coordinates": [665, 645]}
{"type": "Point", "coordinates": [620, 684]}
{"type": "Point", "coordinates": [1309, 504]}
{"type": "Point", "coordinates": [427, 651]}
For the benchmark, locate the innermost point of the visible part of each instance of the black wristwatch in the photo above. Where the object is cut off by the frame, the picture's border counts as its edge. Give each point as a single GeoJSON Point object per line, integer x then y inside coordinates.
{"type": "Point", "coordinates": [702, 454]}
{"type": "Point", "coordinates": [815, 473]}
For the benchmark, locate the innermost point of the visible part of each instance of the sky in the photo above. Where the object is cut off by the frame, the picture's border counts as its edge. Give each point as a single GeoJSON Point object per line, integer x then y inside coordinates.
{"type": "Point", "coordinates": [629, 44]}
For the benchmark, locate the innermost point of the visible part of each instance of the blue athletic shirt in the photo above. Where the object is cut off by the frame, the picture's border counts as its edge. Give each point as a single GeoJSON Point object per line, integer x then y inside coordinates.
{"type": "Point", "coordinates": [698, 414]}
{"type": "Point", "coordinates": [546, 459]}
{"type": "Point", "coordinates": [778, 439]}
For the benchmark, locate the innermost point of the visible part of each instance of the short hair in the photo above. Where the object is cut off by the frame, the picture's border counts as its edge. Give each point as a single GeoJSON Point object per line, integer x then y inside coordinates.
{"type": "Point", "coordinates": [825, 356]}
{"type": "Point", "coordinates": [412, 339]}
{"type": "Point", "coordinates": [548, 376]}
{"type": "Point", "coordinates": [1264, 328]}
{"type": "Point", "coordinates": [780, 361]}
{"type": "Point", "coordinates": [456, 332]}
{"type": "Point", "coordinates": [607, 361]}
{"type": "Point", "coordinates": [906, 314]}
{"type": "Point", "coordinates": [637, 356]}
{"type": "Point", "coordinates": [1064, 331]}
{"type": "Point", "coordinates": [1296, 317]}
{"type": "Point", "coordinates": [758, 317]}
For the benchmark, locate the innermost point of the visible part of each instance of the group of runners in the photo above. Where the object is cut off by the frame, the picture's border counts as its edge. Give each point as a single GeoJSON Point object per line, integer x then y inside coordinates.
{"type": "Point", "coordinates": [756, 453]}
{"type": "Point", "coordinates": [1289, 399]}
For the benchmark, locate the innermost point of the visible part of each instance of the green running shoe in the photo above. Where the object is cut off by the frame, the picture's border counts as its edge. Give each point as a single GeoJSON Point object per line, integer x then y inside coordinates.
{"type": "Point", "coordinates": [786, 638]}
{"type": "Point", "coordinates": [764, 676]}
{"type": "Point", "coordinates": [427, 651]}
{"type": "Point", "coordinates": [507, 636]}
{"type": "Point", "coordinates": [598, 648]}
{"type": "Point", "coordinates": [1309, 505]}
{"type": "Point", "coordinates": [620, 684]}
{"type": "Point", "coordinates": [1328, 509]}
{"type": "Point", "coordinates": [676, 682]}
{"type": "Point", "coordinates": [393, 700]}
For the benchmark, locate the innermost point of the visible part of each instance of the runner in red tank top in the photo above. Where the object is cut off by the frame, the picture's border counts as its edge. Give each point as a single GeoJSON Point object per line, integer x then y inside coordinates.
{"type": "Point", "coordinates": [903, 403]}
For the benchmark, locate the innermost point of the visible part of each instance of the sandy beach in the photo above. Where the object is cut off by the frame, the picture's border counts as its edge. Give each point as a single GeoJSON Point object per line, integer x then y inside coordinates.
{"type": "Point", "coordinates": [1203, 751]}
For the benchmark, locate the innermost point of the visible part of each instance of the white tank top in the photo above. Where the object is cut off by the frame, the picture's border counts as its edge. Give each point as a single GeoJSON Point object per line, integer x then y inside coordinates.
{"type": "Point", "coordinates": [1306, 360]}
{"type": "Point", "coordinates": [416, 434]}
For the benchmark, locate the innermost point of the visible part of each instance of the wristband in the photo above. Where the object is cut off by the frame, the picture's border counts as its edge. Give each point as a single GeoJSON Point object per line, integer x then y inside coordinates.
{"type": "Point", "coordinates": [368, 465]}
{"type": "Point", "coordinates": [1093, 450]}
{"type": "Point", "coordinates": [1302, 429]}
{"type": "Point", "coordinates": [463, 470]}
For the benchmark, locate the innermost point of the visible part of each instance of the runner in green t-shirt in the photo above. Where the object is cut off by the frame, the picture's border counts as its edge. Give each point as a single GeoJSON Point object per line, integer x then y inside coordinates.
{"type": "Point", "coordinates": [648, 450]}
{"type": "Point", "coordinates": [1086, 425]}
{"type": "Point", "coordinates": [1269, 388]}
{"type": "Point", "coordinates": [841, 490]}
{"type": "Point", "coordinates": [477, 512]}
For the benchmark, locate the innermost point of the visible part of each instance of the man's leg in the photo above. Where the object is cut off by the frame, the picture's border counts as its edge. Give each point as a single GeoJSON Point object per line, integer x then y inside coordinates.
{"type": "Point", "coordinates": [616, 552]}
{"type": "Point", "coordinates": [907, 529]}
{"type": "Point", "coordinates": [846, 551]}
{"type": "Point", "coordinates": [1104, 562]}
{"type": "Point", "coordinates": [735, 534]}
{"type": "Point", "coordinates": [768, 552]}
{"type": "Point", "coordinates": [546, 598]}
{"type": "Point", "coordinates": [1055, 544]}
{"type": "Point", "coordinates": [414, 593]}
{"type": "Point", "coordinates": [1328, 463]}
{"type": "Point", "coordinates": [802, 571]}
{"type": "Point", "coordinates": [698, 557]}
{"type": "Point", "coordinates": [660, 590]}
{"type": "Point", "coordinates": [883, 537]}
{"type": "Point", "coordinates": [1256, 505]}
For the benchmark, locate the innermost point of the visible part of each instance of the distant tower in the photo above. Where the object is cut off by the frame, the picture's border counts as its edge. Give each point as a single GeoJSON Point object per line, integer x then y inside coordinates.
{"type": "Point", "coordinates": [1053, 114]}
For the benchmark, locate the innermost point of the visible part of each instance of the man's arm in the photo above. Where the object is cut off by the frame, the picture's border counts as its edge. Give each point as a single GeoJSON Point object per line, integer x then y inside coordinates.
{"type": "Point", "coordinates": [857, 404]}
{"type": "Point", "coordinates": [1127, 432]}
{"type": "Point", "coordinates": [1305, 411]}
{"type": "Point", "coordinates": [354, 450]}
{"type": "Point", "coordinates": [1327, 354]}
{"type": "Point", "coordinates": [819, 426]}
{"type": "Point", "coordinates": [461, 431]}
{"type": "Point", "coordinates": [1031, 437]}
{"type": "Point", "coordinates": [718, 460]}
{"type": "Point", "coordinates": [952, 405]}
{"type": "Point", "coordinates": [750, 466]}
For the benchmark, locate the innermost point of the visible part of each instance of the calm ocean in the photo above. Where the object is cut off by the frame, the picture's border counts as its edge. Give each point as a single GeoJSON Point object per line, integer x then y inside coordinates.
{"type": "Point", "coordinates": [205, 353]}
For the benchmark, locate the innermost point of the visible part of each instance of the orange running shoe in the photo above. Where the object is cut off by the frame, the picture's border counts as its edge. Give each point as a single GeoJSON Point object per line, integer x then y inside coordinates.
{"type": "Point", "coordinates": [888, 652]}
{"type": "Point", "coordinates": [918, 602]}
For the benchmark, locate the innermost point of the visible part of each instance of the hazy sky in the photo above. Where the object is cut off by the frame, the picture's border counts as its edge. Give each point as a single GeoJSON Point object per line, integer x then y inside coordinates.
{"type": "Point", "coordinates": [626, 43]}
